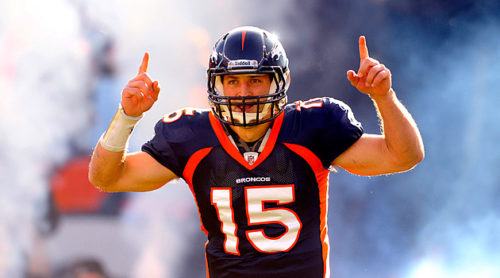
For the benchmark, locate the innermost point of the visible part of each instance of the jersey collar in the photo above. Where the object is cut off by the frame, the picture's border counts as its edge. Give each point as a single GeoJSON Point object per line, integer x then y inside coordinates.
{"type": "Point", "coordinates": [234, 152]}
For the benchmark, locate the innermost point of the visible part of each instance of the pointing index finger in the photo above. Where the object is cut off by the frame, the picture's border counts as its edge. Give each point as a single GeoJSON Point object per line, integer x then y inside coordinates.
{"type": "Point", "coordinates": [363, 49]}
{"type": "Point", "coordinates": [144, 65]}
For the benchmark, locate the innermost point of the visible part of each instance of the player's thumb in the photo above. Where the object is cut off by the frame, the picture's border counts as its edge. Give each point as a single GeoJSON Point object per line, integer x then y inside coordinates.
{"type": "Point", "coordinates": [352, 77]}
{"type": "Point", "coordinates": [156, 88]}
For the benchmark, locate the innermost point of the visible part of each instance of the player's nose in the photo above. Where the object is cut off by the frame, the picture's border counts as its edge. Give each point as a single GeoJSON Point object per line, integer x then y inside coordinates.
{"type": "Point", "coordinates": [244, 89]}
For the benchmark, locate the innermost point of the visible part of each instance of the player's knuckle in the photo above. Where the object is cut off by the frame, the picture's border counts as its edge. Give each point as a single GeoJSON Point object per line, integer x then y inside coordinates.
{"type": "Point", "coordinates": [146, 76]}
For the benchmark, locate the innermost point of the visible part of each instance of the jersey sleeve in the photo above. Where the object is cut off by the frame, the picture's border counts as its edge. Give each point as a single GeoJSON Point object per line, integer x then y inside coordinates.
{"type": "Point", "coordinates": [328, 128]}
{"type": "Point", "coordinates": [161, 148]}
{"type": "Point", "coordinates": [341, 130]}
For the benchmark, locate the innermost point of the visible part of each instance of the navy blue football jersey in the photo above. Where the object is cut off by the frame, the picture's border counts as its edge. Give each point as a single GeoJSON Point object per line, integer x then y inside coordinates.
{"type": "Point", "coordinates": [269, 218]}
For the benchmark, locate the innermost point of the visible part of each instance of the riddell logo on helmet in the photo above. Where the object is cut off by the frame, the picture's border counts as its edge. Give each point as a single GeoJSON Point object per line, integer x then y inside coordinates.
{"type": "Point", "coordinates": [242, 63]}
{"type": "Point", "coordinates": [253, 179]}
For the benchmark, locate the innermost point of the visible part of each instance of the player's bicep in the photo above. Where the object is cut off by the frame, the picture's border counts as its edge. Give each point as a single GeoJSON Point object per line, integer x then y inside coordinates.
{"type": "Point", "coordinates": [369, 156]}
{"type": "Point", "coordinates": [141, 172]}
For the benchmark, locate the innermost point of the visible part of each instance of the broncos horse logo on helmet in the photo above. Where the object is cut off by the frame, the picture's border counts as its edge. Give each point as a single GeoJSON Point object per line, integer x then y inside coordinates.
{"type": "Point", "coordinates": [248, 50]}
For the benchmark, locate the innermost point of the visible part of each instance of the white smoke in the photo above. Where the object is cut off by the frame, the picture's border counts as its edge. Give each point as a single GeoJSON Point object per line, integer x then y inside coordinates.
{"type": "Point", "coordinates": [461, 236]}
{"type": "Point", "coordinates": [43, 69]}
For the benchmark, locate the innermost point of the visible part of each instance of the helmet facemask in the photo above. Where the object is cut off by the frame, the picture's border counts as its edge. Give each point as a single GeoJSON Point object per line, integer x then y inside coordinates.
{"type": "Point", "coordinates": [248, 110]}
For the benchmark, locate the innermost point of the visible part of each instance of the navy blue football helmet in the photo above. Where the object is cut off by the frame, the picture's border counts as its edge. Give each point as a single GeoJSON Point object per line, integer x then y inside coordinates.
{"type": "Point", "coordinates": [248, 50]}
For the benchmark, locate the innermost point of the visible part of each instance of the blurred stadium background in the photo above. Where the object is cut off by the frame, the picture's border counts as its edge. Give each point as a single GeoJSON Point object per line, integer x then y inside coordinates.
{"type": "Point", "coordinates": [63, 64]}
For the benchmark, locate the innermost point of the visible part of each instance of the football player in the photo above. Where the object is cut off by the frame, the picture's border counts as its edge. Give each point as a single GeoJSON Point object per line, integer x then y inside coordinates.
{"type": "Point", "coordinates": [257, 166]}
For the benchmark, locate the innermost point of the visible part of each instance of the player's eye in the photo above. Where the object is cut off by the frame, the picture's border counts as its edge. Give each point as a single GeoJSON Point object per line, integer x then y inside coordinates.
{"type": "Point", "coordinates": [232, 82]}
{"type": "Point", "coordinates": [255, 81]}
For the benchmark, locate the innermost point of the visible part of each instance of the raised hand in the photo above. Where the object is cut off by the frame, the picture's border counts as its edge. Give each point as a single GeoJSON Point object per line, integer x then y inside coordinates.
{"type": "Point", "coordinates": [372, 78]}
{"type": "Point", "coordinates": [141, 92]}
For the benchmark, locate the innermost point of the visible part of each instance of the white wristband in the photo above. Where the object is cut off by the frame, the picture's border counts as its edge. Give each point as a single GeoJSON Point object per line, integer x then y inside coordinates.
{"type": "Point", "coordinates": [115, 138]}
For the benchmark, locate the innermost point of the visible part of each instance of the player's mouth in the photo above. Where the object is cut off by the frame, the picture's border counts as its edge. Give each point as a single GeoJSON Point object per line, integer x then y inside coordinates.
{"type": "Point", "coordinates": [246, 108]}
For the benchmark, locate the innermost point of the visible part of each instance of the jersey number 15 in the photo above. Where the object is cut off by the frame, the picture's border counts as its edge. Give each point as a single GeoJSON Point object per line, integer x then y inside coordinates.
{"type": "Point", "coordinates": [255, 197]}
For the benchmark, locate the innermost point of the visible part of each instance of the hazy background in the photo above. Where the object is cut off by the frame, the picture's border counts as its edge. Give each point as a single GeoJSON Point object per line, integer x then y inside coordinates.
{"type": "Point", "coordinates": [63, 64]}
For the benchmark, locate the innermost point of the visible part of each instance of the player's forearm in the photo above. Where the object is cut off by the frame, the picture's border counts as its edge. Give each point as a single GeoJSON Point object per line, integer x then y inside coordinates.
{"type": "Point", "coordinates": [402, 136]}
{"type": "Point", "coordinates": [105, 167]}
{"type": "Point", "coordinates": [108, 158]}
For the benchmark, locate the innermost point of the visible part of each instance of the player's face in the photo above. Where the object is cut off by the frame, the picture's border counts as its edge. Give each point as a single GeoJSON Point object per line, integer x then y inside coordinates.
{"type": "Point", "coordinates": [246, 85]}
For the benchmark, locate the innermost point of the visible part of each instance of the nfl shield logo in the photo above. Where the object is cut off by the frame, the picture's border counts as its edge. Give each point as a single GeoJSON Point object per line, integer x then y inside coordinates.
{"type": "Point", "coordinates": [251, 157]}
